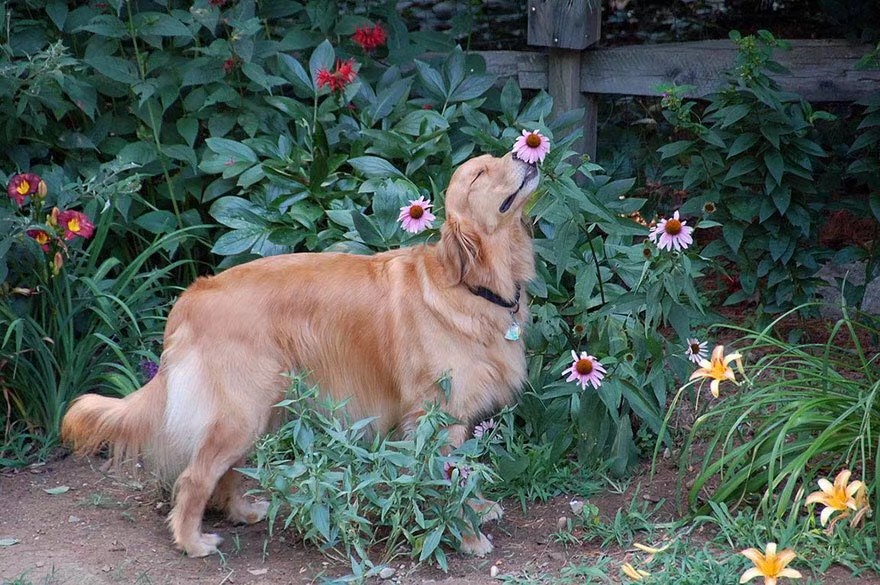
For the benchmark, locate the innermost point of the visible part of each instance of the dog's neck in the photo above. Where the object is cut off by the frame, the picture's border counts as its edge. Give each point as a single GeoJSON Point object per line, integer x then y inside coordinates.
{"type": "Point", "coordinates": [506, 261]}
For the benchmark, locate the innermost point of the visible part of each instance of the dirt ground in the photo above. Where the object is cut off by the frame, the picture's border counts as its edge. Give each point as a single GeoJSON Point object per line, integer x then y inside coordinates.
{"type": "Point", "coordinates": [106, 531]}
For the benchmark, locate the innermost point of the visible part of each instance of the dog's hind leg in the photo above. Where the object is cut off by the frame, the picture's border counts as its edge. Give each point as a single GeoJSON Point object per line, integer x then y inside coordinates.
{"type": "Point", "coordinates": [228, 497]}
{"type": "Point", "coordinates": [222, 448]}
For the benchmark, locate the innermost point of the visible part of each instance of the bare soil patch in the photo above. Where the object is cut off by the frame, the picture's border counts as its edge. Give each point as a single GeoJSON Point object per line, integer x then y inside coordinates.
{"type": "Point", "coordinates": [107, 530]}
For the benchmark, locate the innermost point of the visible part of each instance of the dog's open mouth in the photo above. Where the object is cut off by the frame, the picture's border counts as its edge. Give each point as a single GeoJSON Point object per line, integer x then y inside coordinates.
{"type": "Point", "coordinates": [531, 173]}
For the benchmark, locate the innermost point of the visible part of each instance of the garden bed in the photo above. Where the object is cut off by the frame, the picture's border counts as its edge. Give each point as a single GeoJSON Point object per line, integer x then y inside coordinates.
{"type": "Point", "coordinates": [106, 530]}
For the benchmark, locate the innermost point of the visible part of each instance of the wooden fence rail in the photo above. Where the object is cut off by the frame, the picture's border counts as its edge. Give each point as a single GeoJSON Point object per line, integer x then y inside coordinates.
{"type": "Point", "coordinates": [574, 74]}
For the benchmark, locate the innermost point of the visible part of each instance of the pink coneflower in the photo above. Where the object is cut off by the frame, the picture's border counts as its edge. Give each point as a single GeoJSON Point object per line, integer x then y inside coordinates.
{"type": "Point", "coordinates": [42, 237]}
{"type": "Point", "coordinates": [585, 369]}
{"type": "Point", "coordinates": [696, 350]}
{"type": "Point", "coordinates": [415, 217]}
{"type": "Point", "coordinates": [369, 38]}
{"type": "Point", "coordinates": [672, 233]}
{"type": "Point", "coordinates": [485, 427]}
{"type": "Point", "coordinates": [531, 147]}
{"type": "Point", "coordinates": [75, 224]}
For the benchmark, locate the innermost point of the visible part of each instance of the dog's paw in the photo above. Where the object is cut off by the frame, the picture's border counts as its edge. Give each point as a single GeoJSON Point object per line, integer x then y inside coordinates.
{"type": "Point", "coordinates": [486, 510]}
{"type": "Point", "coordinates": [475, 544]}
{"type": "Point", "coordinates": [204, 545]}
{"type": "Point", "coordinates": [245, 512]}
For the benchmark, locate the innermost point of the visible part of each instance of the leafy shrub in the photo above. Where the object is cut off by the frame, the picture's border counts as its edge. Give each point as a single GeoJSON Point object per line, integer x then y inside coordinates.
{"type": "Point", "coordinates": [222, 109]}
{"type": "Point", "coordinates": [749, 156]}
{"type": "Point", "coordinates": [357, 496]}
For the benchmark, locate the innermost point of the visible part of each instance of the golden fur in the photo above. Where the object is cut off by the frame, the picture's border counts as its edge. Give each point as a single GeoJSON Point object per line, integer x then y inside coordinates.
{"type": "Point", "coordinates": [380, 330]}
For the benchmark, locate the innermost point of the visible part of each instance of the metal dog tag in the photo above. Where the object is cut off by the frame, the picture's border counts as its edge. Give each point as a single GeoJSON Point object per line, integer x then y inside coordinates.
{"type": "Point", "coordinates": [512, 333]}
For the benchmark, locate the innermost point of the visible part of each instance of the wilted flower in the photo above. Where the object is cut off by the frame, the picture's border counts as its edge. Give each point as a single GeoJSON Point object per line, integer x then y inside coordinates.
{"type": "Point", "coordinates": [836, 497]}
{"type": "Point", "coordinates": [23, 185]}
{"type": "Point", "coordinates": [75, 224]}
{"type": "Point", "coordinates": [42, 237]}
{"type": "Point", "coordinates": [369, 38]}
{"type": "Point", "coordinates": [449, 469]}
{"type": "Point", "coordinates": [718, 368]}
{"type": "Point", "coordinates": [531, 147]}
{"type": "Point", "coordinates": [672, 233]}
{"type": "Point", "coordinates": [416, 216]}
{"type": "Point", "coordinates": [633, 573]}
{"type": "Point", "coordinates": [771, 565]}
{"type": "Point", "coordinates": [696, 350]}
{"type": "Point", "coordinates": [340, 78]}
{"type": "Point", "coordinates": [585, 369]}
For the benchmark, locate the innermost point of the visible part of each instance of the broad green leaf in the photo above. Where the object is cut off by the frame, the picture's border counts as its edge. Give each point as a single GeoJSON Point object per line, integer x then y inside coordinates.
{"type": "Point", "coordinates": [55, 491]}
{"type": "Point", "coordinates": [775, 164]}
{"type": "Point", "coordinates": [674, 148]}
{"type": "Point", "coordinates": [9, 541]}
{"type": "Point", "coordinates": [374, 167]}
{"type": "Point", "coordinates": [511, 97]}
{"type": "Point", "coordinates": [323, 57]}
{"type": "Point", "coordinates": [431, 80]}
{"type": "Point", "coordinates": [432, 541]}
{"type": "Point", "coordinates": [742, 143]}
{"type": "Point", "coordinates": [232, 150]}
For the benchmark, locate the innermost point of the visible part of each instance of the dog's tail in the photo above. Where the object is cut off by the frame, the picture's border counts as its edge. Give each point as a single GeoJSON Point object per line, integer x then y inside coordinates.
{"type": "Point", "coordinates": [126, 424]}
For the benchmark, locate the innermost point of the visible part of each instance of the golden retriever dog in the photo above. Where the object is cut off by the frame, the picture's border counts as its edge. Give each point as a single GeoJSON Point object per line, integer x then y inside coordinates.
{"type": "Point", "coordinates": [378, 330]}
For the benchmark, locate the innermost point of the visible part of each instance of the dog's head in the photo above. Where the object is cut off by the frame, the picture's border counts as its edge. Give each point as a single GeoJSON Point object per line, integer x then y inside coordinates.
{"type": "Point", "coordinates": [484, 204]}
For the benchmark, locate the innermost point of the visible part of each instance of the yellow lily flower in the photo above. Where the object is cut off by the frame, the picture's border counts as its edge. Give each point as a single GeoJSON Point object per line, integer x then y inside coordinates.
{"type": "Point", "coordinates": [771, 565]}
{"type": "Point", "coordinates": [633, 573]}
{"type": "Point", "coordinates": [836, 497]}
{"type": "Point", "coordinates": [718, 368]}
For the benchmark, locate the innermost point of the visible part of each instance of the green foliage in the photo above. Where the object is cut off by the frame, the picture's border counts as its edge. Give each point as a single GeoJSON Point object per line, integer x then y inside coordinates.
{"type": "Point", "coordinates": [79, 324]}
{"type": "Point", "coordinates": [751, 155]}
{"type": "Point", "coordinates": [353, 496]}
{"type": "Point", "coordinates": [810, 410]}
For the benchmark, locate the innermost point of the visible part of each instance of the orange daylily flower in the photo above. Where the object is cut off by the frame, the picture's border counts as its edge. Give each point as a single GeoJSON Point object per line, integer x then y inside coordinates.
{"type": "Point", "coordinates": [770, 565]}
{"type": "Point", "coordinates": [718, 369]}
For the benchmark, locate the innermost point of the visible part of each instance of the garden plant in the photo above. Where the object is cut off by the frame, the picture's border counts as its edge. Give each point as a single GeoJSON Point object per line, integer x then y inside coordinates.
{"type": "Point", "coordinates": [143, 145]}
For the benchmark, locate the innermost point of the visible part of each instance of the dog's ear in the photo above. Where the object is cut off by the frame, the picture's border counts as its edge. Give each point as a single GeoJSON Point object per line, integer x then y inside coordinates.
{"type": "Point", "coordinates": [459, 249]}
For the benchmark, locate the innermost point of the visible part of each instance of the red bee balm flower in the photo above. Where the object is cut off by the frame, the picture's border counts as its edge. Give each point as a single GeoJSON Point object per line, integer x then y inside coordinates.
{"type": "Point", "coordinates": [23, 185]}
{"type": "Point", "coordinates": [369, 38]}
{"type": "Point", "coordinates": [75, 224]}
{"type": "Point", "coordinates": [342, 76]}
{"type": "Point", "coordinates": [42, 238]}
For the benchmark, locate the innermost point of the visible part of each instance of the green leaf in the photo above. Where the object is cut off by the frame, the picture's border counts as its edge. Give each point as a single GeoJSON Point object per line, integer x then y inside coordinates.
{"type": "Point", "coordinates": [374, 167]}
{"type": "Point", "coordinates": [238, 241]}
{"type": "Point", "coordinates": [874, 203]}
{"type": "Point", "coordinates": [367, 229]}
{"type": "Point", "coordinates": [734, 114]}
{"type": "Point", "coordinates": [320, 515]}
{"type": "Point", "coordinates": [232, 150]}
{"type": "Point", "coordinates": [57, 11]}
{"type": "Point", "coordinates": [674, 148]}
{"type": "Point", "coordinates": [117, 69]}
{"type": "Point", "coordinates": [105, 25]}
{"type": "Point", "coordinates": [432, 541]}
{"type": "Point", "coordinates": [733, 235]}
{"type": "Point", "coordinates": [741, 167]}
{"type": "Point", "coordinates": [472, 87]}
{"type": "Point", "coordinates": [55, 491]}
{"type": "Point", "coordinates": [323, 57]}
{"type": "Point", "coordinates": [159, 24]}
{"type": "Point", "coordinates": [511, 98]}
{"type": "Point", "coordinates": [157, 222]}
{"type": "Point", "coordinates": [294, 72]}
{"type": "Point", "coordinates": [431, 80]}
{"type": "Point", "coordinates": [775, 164]}
{"type": "Point", "coordinates": [742, 143]}
{"type": "Point", "coordinates": [9, 541]}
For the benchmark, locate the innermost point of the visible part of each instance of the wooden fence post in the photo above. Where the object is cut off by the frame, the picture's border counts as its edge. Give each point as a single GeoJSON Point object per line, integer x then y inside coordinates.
{"type": "Point", "coordinates": [568, 27]}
